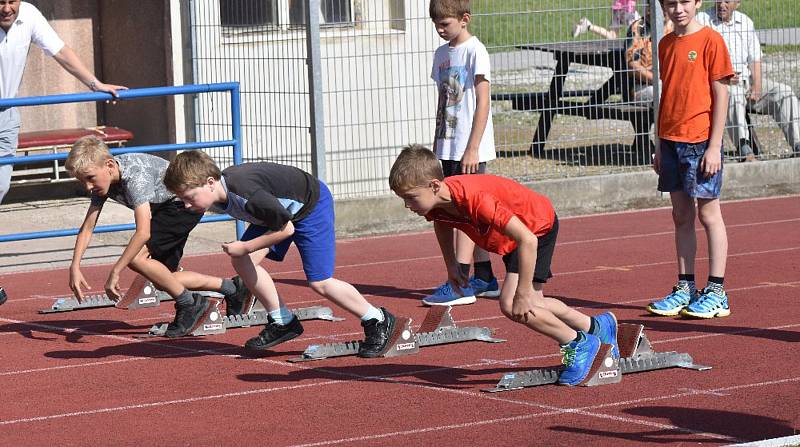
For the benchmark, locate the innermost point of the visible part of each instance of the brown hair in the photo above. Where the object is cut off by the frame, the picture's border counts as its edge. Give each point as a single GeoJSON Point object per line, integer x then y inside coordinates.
{"type": "Point", "coordinates": [415, 166]}
{"type": "Point", "coordinates": [190, 169]}
{"type": "Point", "coordinates": [87, 152]}
{"type": "Point", "coordinates": [443, 9]}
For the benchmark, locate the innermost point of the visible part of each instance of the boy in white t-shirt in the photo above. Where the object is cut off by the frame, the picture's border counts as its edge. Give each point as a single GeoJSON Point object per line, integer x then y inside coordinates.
{"type": "Point", "coordinates": [464, 135]}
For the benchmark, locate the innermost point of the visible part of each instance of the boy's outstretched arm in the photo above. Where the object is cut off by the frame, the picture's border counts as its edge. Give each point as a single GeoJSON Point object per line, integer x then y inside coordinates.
{"type": "Point", "coordinates": [444, 235]}
{"type": "Point", "coordinates": [527, 244]}
{"type": "Point", "coordinates": [76, 279]}
{"type": "Point", "coordinates": [140, 237]}
{"type": "Point", "coordinates": [243, 248]}
{"type": "Point", "coordinates": [712, 159]}
{"type": "Point", "coordinates": [471, 158]}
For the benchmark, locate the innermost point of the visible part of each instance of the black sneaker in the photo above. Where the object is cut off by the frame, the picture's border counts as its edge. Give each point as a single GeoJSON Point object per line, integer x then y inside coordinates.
{"type": "Point", "coordinates": [3, 296]}
{"type": "Point", "coordinates": [377, 334]}
{"type": "Point", "coordinates": [274, 334]}
{"type": "Point", "coordinates": [187, 317]}
{"type": "Point", "coordinates": [234, 303]}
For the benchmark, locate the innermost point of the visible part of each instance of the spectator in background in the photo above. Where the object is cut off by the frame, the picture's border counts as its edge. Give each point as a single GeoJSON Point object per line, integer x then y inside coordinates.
{"type": "Point", "coordinates": [639, 55]}
{"type": "Point", "coordinates": [749, 90]}
{"type": "Point", "coordinates": [623, 13]}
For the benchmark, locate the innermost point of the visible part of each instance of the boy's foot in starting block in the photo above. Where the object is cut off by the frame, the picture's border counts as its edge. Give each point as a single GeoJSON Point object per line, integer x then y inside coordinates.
{"type": "Point", "coordinates": [605, 328]}
{"type": "Point", "coordinates": [274, 333]}
{"type": "Point", "coordinates": [378, 334]}
{"type": "Point", "coordinates": [579, 354]}
{"type": "Point", "coordinates": [235, 302]}
{"type": "Point", "coordinates": [187, 317]}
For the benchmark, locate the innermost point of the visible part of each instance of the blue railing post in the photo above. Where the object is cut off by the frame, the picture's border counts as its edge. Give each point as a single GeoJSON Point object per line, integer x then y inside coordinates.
{"type": "Point", "coordinates": [236, 123]}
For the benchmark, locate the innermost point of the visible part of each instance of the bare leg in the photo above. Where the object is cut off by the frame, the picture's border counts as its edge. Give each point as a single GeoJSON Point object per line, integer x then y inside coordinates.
{"type": "Point", "coordinates": [464, 248]}
{"type": "Point", "coordinates": [683, 214]}
{"type": "Point", "coordinates": [157, 273]}
{"type": "Point", "coordinates": [257, 279]}
{"type": "Point", "coordinates": [342, 294]}
{"type": "Point", "coordinates": [711, 218]}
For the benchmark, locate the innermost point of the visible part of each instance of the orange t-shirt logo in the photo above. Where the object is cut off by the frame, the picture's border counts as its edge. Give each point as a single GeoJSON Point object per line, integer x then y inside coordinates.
{"type": "Point", "coordinates": [692, 56]}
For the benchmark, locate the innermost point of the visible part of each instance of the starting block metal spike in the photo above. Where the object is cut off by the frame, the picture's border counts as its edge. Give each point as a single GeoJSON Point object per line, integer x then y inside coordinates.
{"type": "Point", "coordinates": [636, 355]}
{"type": "Point", "coordinates": [140, 294]}
{"type": "Point", "coordinates": [437, 328]}
{"type": "Point", "coordinates": [213, 322]}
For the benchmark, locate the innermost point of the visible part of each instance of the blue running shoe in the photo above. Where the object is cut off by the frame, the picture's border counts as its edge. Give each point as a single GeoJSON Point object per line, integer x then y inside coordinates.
{"type": "Point", "coordinates": [711, 303]}
{"type": "Point", "coordinates": [488, 289]}
{"type": "Point", "coordinates": [672, 304]}
{"type": "Point", "coordinates": [444, 295]}
{"type": "Point", "coordinates": [606, 331]}
{"type": "Point", "coordinates": [578, 359]}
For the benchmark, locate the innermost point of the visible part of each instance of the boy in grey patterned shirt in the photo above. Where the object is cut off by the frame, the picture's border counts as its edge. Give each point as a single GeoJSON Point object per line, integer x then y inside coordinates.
{"type": "Point", "coordinates": [163, 224]}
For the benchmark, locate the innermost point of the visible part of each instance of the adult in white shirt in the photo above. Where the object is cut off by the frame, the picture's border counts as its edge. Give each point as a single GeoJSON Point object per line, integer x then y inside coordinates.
{"type": "Point", "coordinates": [749, 89]}
{"type": "Point", "coordinates": [20, 24]}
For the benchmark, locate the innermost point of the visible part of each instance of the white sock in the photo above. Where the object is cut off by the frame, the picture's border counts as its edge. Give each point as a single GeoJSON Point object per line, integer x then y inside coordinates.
{"type": "Point", "coordinates": [281, 315]}
{"type": "Point", "coordinates": [373, 313]}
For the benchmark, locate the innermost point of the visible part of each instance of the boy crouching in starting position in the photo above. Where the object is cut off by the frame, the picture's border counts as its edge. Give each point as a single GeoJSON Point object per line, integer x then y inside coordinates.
{"type": "Point", "coordinates": [506, 218]}
{"type": "Point", "coordinates": [283, 205]}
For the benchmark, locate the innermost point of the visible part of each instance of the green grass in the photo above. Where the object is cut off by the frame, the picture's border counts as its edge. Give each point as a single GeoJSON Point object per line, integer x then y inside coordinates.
{"type": "Point", "coordinates": [501, 24]}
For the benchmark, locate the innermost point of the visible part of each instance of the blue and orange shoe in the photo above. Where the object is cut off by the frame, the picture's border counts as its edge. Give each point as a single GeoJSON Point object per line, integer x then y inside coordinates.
{"type": "Point", "coordinates": [606, 331]}
{"type": "Point", "coordinates": [672, 304]}
{"type": "Point", "coordinates": [488, 289]}
{"type": "Point", "coordinates": [444, 295]}
{"type": "Point", "coordinates": [578, 357]}
{"type": "Point", "coordinates": [711, 303]}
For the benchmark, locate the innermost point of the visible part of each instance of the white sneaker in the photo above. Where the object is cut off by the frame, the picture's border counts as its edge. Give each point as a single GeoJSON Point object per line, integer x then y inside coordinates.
{"type": "Point", "coordinates": [581, 27]}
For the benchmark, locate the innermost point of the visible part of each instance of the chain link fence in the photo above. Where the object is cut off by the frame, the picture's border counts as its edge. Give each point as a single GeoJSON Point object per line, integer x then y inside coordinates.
{"type": "Point", "coordinates": [565, 99]}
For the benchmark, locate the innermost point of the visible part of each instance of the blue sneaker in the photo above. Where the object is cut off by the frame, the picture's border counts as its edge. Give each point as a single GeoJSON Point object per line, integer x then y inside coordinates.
{"type": "Point", "coordinates": [578, 359]}
{"type": "Point", "coordinates": [711, 303]}
{"type": "Point", "coordinates": [606, 331]}
{"type": "Point", "coordinates": [672, 304]}
{"type": "Point", "coordinates": [444, 295]}
{"type": "Point", "coordinates": [482, 288]}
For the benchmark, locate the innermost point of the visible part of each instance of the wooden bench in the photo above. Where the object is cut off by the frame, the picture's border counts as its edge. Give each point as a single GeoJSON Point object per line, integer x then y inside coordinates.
{"type": "Point", "coordinates": [55, 141]}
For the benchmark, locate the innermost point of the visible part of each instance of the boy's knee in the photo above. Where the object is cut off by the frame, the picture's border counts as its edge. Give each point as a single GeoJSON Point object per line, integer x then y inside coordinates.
{"type": "Point", "coordinates": [505, 308]}
{"type": "Point", "coordinates": [682, 217]}
{"type": "Point", "coordinates": [320, 287]}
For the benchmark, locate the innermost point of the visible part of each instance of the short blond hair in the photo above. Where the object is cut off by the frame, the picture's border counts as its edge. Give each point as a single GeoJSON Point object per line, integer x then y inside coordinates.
{"type": "Point", "coordinates": [190, 169]}
{"type": "Point", "coordinates": [87, 152]}
{"type": "Point", "coordinates": [415, 166]}
{"type": "Point", "coordinates": [445, 9]}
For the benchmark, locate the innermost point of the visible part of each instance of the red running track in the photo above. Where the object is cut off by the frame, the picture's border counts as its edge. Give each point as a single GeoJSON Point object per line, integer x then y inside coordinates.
{"type": "Point", "coordinates": [82, 378]}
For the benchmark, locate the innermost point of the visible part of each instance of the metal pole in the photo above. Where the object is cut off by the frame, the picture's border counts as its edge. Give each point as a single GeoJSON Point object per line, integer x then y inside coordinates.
{"type": "Point", "coordinates": [656, 33]}
{"type": "Point", "coordinates": [315, 101]}
{"type": "Point", "coordinates": [236, 135]}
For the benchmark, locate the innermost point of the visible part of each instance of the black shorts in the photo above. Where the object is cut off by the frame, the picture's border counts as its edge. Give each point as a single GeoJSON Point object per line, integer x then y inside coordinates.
{"type": "Point", "coordinates": [452, 167]}
{"type": "Point", "coordinates": [544, 256]}
{"type": "Point", "coordinates": [170, 225]}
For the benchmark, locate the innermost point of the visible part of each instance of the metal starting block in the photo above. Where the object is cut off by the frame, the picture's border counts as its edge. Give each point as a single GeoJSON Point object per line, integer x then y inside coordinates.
{"type": "Point", "coordinates": [437, 328]}
{"type": "Point", "coordinates": [636, 355]}
{"type": "Point", "coordinates": [140, 294]}
{"type": "Point", "coordinates": [214, 322]}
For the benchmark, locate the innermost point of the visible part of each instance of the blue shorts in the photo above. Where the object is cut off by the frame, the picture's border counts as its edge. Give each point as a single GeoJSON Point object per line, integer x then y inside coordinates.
{"type": "Point", "coordinates": [680, 170]}
{"type": "Point", "coordinates": [314, 235]}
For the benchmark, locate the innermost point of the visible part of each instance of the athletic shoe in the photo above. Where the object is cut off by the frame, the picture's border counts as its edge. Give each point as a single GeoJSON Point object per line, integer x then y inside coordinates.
{"type": "Point", "coordinates": [578, 357]}
{"type": "Point", "coordinates": [274, 333]}
{"type": "Point", "coordinates": [376, 335]}
{"type": "Point", "coordinates": [3, 296]}
{"type": "Point", "coordinates": [672, 304]}
{"type": "Point", "coordinates": [488, 289]}
{"type": "Point", "coordinates": [581, 27]}
{"type": "Point", "coordinates": [444, 295]}
{"type": "Point", "coordinates": [606, 331]}
{"type": "Point", "coordinates": [711, 303]}
{"type": "Point", "coordinates": [187, 317]}
{"type": "Point", "coordinates": [234, 303]}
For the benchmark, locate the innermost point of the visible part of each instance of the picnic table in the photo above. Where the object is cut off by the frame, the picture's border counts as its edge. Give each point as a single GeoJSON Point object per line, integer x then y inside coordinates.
{"type": "Point", "coordinates": [603, 53]}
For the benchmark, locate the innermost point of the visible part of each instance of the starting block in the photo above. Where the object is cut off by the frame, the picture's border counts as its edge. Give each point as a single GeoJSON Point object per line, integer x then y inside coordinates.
{"type": "Point", "coordinates": [636, 355]}
{"type": "Point", "coordinates": [437, 328]}
{"type": "Point", "coordinates": [213, 322]}
{"type": "Point", "coordinates": [140, 294]}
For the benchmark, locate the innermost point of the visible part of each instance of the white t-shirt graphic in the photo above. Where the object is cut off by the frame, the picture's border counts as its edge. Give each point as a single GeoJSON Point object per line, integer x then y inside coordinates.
{"type": "Point", "coordinates": [454, 70]}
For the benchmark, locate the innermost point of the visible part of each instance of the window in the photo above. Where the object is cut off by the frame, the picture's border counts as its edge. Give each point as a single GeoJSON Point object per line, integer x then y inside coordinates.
{"type": "Point", "coordinates": [282, 13]}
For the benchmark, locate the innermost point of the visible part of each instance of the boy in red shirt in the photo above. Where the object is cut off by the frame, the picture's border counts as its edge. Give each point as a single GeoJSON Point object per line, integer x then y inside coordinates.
{"type": "Point", "coordinates": [506, 218]}
{"type": "Point", "coordinates": [695, 71]}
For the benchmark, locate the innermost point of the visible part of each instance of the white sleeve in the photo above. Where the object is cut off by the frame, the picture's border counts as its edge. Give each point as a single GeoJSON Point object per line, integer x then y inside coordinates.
{"type": "Point", "coordinates": [753, 45]}
{"type": "Point", "coordinates": [703, 18]}
{"type": "Point", "coordinates": [43, 35]}
{"type": "Point", "coordinates": [482, 62]}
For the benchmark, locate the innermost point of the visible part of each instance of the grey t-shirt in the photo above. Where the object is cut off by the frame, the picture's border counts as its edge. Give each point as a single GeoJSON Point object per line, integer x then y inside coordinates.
{"type": "Point", "coordinates": [141, 180]}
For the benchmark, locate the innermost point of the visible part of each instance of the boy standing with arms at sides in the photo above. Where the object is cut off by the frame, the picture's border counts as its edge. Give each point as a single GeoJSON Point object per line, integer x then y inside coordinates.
{"type": "Point", "coordinates": [695, 71]}
{"type": "Point", "coordinates": [504, 217]}
{"type": "Point", "coordinates": [464, 134]}
{"type": "Point", "coordinates": [283, 205]}
{"type": "Point", "coordinates": [162, 227]}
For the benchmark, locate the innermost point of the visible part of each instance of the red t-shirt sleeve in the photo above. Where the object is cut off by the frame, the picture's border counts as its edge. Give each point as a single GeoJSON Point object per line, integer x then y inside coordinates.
{"type": "Point", "coordinates": [718, 60]}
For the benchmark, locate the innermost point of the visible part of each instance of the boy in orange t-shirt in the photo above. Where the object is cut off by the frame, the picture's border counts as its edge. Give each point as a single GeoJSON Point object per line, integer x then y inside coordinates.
{"type": "Point", "coordinates": [695, 71]}
{"type": "Point", "coordinates": [506, 218]}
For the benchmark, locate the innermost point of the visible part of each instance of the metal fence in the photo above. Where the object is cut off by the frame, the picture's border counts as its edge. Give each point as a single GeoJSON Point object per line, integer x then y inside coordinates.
{"type": "Point", "coordinates": [340, 86]}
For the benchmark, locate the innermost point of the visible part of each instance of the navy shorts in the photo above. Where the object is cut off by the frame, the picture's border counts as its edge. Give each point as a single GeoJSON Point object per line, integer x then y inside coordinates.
{"type": "Point", "coordinates": [680, 170]}
{"type": "Point", "coordinates": [314, 235]}
{"type": "Point", "coordinates": [544, 256]}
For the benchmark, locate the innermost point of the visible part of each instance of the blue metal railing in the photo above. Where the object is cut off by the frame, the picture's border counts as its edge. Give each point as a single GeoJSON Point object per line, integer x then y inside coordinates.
{"type": "Point", "coordinates": [235, 142]}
